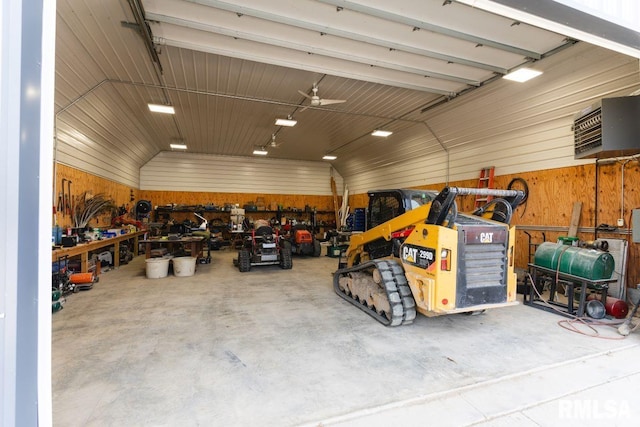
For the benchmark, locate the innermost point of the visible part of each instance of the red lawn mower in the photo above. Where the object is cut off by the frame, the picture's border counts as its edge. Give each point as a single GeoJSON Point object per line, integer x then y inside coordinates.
{"type": "Point", "coordinates": [263, 246]}
{"type": "Point", "coordinates": [302, 241]}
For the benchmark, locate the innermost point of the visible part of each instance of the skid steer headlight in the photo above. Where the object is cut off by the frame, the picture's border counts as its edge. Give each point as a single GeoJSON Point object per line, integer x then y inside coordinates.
{"type": "Point", "coordinates": [445, 260]}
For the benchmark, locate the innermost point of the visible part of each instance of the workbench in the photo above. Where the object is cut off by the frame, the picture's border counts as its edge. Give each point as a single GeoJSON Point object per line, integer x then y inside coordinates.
{"type": "Point", "coordinates": [83, 249]}
{"type": "Point", "coordinates": [194, 243]}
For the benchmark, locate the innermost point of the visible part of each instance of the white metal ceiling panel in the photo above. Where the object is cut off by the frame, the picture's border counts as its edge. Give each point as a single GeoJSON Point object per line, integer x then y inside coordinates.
{"type": "Point", "coordinates": [184, 37]}
{"type": "Point", "coordinates": [230, 68]}
{"type": "Point", "coordinates": [311, 42]}
{"type": "Point", "coordinates": [461, 21]}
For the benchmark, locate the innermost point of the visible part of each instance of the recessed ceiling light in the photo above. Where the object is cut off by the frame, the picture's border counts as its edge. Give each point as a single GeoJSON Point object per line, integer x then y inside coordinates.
{"type": "Point", "coordinates": [260, 152]}
{"type": "Point", "coordinates": [178, 146]}
{"type": "Point", "coordinates": [158, 108]}
{"type": "Point", "coordinates": [286, 122]}
{"type": "Point", "coordinates": [383, 133]}
{"type": "Point", "coordinates": [328, 157]}
{"type": "Point", "coordinates": [521, 75]}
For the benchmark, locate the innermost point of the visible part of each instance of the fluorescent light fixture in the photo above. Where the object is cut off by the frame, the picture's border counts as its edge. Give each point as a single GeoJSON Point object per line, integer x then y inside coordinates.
{"type": "Point", "coordinates": [329, 157]}
{"type": "Point", "coordinates": [158, 108]}
{"type": "Point", "coordinates": [286, 122]}
{"type": "Point", "coordinates": [260, 152]}
{"type": "Point", "coordinates": [522, 75]}
{"type": "Point", "coordinates": [383, 133]}
{"type": "Point", "coordinates": [178, 146]}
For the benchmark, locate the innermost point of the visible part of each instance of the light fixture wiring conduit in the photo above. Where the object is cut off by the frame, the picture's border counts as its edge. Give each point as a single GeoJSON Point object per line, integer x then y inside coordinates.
{"type": "Point", "coordinates": [446, 150]}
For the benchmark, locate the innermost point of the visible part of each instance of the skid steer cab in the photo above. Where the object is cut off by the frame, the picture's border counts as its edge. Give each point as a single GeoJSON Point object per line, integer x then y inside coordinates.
{"type": "Point", "coordinates": [263, 246]}
{"type": "Point", "coordinates": [420, 255]}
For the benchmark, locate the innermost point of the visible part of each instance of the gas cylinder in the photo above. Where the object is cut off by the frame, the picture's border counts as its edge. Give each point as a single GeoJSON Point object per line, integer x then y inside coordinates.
{"type": "Point", "coordinates": [615, 307]}
{"type": "Point", "coordinates": [80, 278]}
{"type": "Point", "coordinates": [591, 264]}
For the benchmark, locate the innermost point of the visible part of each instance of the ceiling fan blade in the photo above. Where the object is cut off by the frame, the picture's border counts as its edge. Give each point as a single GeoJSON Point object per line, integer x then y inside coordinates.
{"type": "Point", "coordinates": [304, 94]}
{"type": "Point", "coordinates": [332, 101]}
{"type": "Point", "coordinates": [304, 108]}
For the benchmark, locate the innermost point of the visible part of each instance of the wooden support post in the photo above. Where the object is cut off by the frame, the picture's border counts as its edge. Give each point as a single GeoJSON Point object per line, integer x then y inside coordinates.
{"type": "Point", "coordinates": [336, 209]}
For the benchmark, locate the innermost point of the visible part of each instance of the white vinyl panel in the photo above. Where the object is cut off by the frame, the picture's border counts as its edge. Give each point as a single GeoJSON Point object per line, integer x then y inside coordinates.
{"type": "Point", "coordinates": [76, 70]}
{"type": "Point", "coordinates": [571, 80]}
{"type": "Point", "coordinates": [417, 172]}
{"type": "Point", "coordinates": [109, 135]}
{"type": "Point", "coordinates": [397, 150]}
{"type": "Point", "coordinates": [173, 171]}
{"type": "Point", "coordinates": [122, 171]}
{"type": "Point", "coordinates": [97, 137]}
{"type": "Point", "coordinates": [514, 127]}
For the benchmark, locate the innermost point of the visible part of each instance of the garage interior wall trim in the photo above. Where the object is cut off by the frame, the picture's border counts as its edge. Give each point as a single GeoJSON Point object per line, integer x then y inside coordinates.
{"type": "Point", "coordinates": [174, 171]}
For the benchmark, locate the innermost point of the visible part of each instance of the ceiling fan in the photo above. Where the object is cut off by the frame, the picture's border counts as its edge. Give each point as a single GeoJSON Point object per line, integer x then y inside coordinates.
{"type": "Point", "coordinates": [316, 101]}
{"type": "Point", "coordinates": [273, 143]}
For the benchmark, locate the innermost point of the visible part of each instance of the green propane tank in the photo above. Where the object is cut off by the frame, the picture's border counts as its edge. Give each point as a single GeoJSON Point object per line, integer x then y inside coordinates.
{"type": "Point", "coordinates": [591, 264]}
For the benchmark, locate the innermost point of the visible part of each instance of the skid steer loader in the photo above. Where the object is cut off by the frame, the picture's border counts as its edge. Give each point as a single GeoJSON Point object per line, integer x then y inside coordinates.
{"type": "Point", "coordinates": [419, 254]}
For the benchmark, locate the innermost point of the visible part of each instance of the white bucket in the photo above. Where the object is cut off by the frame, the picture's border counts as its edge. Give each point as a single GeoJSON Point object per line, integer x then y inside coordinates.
{"type": "Point", "coordinates": [157, 268]}
{"type": "Point", "coordinates": [184, 266]}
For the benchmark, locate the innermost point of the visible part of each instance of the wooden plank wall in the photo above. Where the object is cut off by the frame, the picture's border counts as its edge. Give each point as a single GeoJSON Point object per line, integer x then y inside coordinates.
{"type": "Point", "coordinates": [551, 196]}
{"type": "Point", "coordinates": [161, 198]}
{"type": "Point", "coordinates": [83, 181]}
{"type": "Point", "coordinates": [271, 201]}
{"type": "Point", "coordinates": [123, 195]}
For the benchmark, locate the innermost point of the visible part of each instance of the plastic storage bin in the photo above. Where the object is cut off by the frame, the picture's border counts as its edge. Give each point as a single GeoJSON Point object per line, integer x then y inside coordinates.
{"type": "Point", "coordinates": [157, 268]}
{"type": "Point", "coordinates": [184, 266]}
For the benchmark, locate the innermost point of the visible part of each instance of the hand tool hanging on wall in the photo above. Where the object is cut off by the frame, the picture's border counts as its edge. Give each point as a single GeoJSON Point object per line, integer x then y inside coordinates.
{"type": "Point", "coordinates": [70, 199]}
{"type": "Point", "coordinates": [64, 200]}
{"type": "Point", "coordinates": [60, 205]}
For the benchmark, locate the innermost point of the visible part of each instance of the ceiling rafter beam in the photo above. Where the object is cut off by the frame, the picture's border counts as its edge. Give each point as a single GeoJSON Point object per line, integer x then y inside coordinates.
{"type": "Point", "coordinates": [309, 25]}
{"type": "Point", "coordinates": [307, 48]}
{"type": "Point", "coordinates": [274, 55]}
{"type": "Point", "coordinates": [416, 23]}
{"type": "Point", "coordinates": [236, 53]}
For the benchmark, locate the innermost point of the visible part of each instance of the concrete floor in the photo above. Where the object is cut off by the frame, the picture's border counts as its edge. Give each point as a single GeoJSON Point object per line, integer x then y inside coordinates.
{"type": "Point", "coordinates": [277, 347]}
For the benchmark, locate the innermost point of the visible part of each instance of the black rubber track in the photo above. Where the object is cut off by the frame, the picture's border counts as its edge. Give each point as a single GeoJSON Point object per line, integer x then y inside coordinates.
{"type": "Point", "coordinates": [403, 306]}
